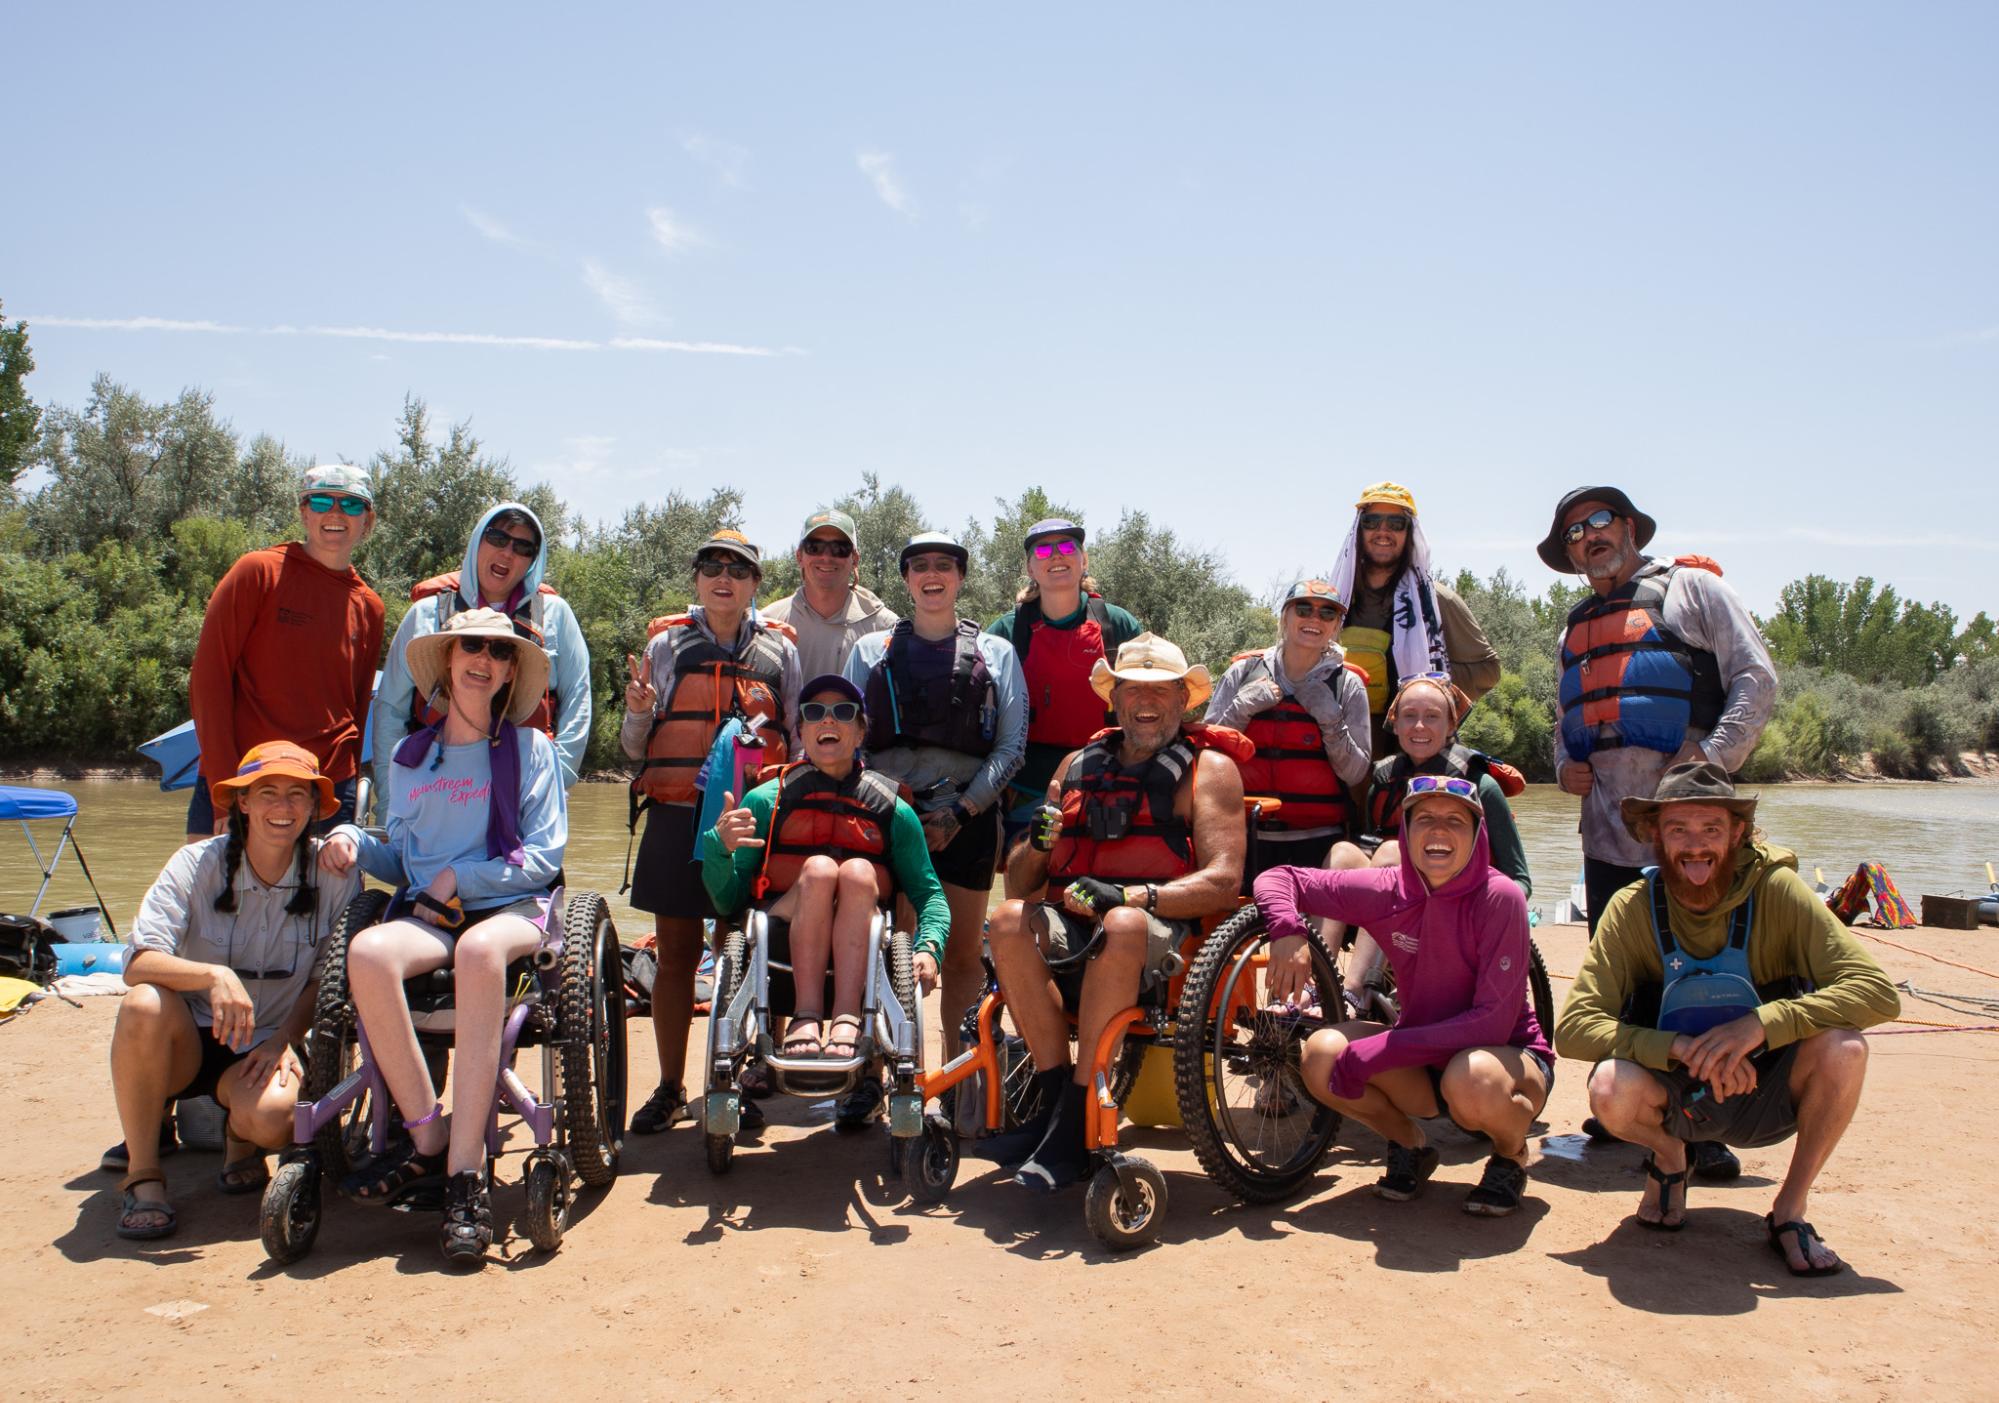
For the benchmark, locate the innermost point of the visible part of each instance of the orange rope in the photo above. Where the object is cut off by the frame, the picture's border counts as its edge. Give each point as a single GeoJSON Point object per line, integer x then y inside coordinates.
{"type": "Point", "coordinates": [1972, 969]}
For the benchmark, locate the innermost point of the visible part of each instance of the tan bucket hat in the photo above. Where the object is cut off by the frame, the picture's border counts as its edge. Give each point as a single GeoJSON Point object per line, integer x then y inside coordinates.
{"type": "Point", "coordinates": [1695, 782]}
{"type": "Point", "coordinates": [1150, 658]}
{"type": "Point", "coordinates": [426, 656]}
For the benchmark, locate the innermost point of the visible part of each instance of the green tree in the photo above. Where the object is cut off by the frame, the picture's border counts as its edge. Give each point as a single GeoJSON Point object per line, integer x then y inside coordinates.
{"type": "Point", "coordinates": [428, 497]}
{"type": "Point", "coordinates": [20, 419]}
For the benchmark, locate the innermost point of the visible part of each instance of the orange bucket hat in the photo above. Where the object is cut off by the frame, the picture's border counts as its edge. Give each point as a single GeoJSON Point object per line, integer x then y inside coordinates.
{"type": "Point", "coordinates": [282, 759]}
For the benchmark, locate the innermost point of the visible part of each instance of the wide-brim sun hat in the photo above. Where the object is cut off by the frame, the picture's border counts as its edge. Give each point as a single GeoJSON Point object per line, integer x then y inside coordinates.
{"type": "Point", "coordinates": [1694, 782]}
{"type": "Point", "coordinates": [427, 656]}
{"type": "Point", "coordinates": [1554, 552]}
{"type": "Point", "coordinates": [1150, 658]}
{"type": "Point", "coordinates": [281, 759]}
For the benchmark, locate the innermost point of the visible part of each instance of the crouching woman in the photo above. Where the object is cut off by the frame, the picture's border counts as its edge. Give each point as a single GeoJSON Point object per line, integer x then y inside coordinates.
{"type": "Point", "coordinates": [477, 823]}
{"type": "Point", "coordinates": [221, 967]}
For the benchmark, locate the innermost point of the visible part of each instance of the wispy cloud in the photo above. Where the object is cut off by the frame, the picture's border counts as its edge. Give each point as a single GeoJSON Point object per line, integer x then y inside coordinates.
{"type": "Point", "coordinates": [879, 168]}
{"type": "Point", "coordinates": [493, 229]}
{"type": "Point", "coordinates": [673, 233]}
{"type": "Point", "coordinates": [728, 160]}
{"type": "Point", "coordinates": [622, 298]}
{"type": "Point", "coordinates": [425, 338]}
{"type": "Point", "coordinates": [582, 455]}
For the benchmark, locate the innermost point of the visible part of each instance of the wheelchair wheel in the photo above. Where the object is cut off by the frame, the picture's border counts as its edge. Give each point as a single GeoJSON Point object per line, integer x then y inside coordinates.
{"type": "Point", "coordinates": [1123, 1221]}
{"type": "Point", "coordinates": [1235, 1067]}
{"type": "Point", "coordinates": [290, 1212]}
{"type": "Point", "coordinates": [547, 1213]}
{"type": "Point", "coordinates": [1018, 1102]}
{"type": "Point", "coordinates": [902, 971]}
{"type": "Point", "coordinates": [1386, 1008]}
{"type": "Point", "coordinates": [929, 1163]}
{"type": "Point", "coordinates": [590, 1028]}
{"type": "Point", "coordinates": [334, 1044]}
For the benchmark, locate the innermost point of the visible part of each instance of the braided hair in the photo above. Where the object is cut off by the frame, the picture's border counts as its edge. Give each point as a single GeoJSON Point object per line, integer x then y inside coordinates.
{"type": "Point", "coordinates": [305, 898]}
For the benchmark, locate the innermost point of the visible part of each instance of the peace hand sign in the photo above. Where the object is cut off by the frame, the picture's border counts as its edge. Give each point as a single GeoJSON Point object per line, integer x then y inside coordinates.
{"type": "Point", "coordinates": [640, 695]}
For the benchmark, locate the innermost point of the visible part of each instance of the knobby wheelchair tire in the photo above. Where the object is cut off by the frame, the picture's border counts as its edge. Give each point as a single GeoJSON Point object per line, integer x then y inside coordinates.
{"type": "Point", "coordinates": [590, 1029]}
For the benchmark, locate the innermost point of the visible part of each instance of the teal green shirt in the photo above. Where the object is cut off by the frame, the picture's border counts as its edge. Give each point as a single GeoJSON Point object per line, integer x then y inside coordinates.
{"type": "Point", "coordinates": [729, 876]}
{"type": "Point", "coordinates": [1030, 781]}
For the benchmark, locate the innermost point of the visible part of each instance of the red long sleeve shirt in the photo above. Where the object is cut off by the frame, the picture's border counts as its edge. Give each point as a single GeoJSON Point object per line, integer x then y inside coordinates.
{"type": "Point", "coordinates": [288, 651]}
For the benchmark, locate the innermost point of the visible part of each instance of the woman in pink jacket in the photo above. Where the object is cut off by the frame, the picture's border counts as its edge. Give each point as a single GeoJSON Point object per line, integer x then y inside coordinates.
{"type": "Point", "coordinates": [1467, 1044]}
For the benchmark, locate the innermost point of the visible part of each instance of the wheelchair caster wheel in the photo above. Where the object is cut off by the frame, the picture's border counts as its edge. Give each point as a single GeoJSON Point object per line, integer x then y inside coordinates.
{"type": "Point", "coordinates": [721, 1149]}
{"type": "Point", "coordinates": [290, 1212]}
{"type": "Point", "coordinates": [1126, 1203]}
{"type": "Point", "coordinates": [929, 1161]}
{"type": "Point", "coordinates": [549, 1198]}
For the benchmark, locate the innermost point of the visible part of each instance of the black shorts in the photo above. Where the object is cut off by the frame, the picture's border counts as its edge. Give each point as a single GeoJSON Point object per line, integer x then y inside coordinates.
{"type": "Point", "coordinates": [971, 858]}
{"type": "Point", "coordinates": [1763, 1117]}
{"type": "Point", "coordinates": [1267, 852]}
{"type": "Point", "coordinates": [666, 881]}
{"type": "Point", "coordinates": [216, 1058]}
{"type": "Point", "coordinates": [1541, 1059]}
{"type": "Point", "coordinates": [201, 808]}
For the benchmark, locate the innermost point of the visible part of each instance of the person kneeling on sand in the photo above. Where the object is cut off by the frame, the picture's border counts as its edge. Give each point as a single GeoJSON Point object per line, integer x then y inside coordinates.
{"type": "Point", "coordinates": [221, 973]}
{"type": "Point", "coordinates": [821, 848]}
{"type": "Point", "coordinates": [1725, 1003]}
{"type": "Point", "coordinates": [1467, 1043]}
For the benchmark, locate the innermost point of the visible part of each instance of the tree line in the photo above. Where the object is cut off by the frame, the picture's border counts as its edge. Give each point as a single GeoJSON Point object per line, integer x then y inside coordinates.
{"type": "Point", "coordinates": [139, 508]}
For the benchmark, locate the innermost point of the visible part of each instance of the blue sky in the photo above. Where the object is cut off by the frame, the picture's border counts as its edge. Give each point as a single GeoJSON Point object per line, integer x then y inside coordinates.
{"type": "Point", "coordinates": [1226, 263]}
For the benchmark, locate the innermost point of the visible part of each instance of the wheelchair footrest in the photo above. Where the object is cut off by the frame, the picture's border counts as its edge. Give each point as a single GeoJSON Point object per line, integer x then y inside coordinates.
{"type": "Point", "coordinates": [722, 1112]}
{"type": "Point", "coordinates": [905, 1114]}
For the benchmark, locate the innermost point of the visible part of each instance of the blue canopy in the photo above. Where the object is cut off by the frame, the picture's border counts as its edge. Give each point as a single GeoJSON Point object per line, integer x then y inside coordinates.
{"type": "Point", "coordinates": [35, 803]}
{"type": "Point", "coordinates": [178, 753]}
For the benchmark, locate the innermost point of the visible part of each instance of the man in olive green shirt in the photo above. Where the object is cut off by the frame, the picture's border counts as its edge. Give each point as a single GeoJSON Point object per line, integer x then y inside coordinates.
{"type": "Point", "coordinates": [1722, 1001]}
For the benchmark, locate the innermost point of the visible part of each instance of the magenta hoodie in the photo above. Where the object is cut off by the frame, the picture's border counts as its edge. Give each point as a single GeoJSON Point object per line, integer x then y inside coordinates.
{"type": "Point", "coordinates": [1459, 955]}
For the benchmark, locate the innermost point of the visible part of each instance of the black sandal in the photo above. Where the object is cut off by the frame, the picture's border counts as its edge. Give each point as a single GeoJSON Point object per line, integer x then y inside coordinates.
{"type": "Point", "coordinates": [1805, 1235]}
{"type": "Point", "coordinates": [468, 1219]}
{"type": "Point", "coordinates": [393, 1177]}
{"type": "Point", "coordinates": [1667, 1183]}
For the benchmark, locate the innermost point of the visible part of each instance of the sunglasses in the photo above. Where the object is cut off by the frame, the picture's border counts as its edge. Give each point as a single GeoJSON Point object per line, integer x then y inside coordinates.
{"type": "Point", "coordinates": [1308, 610]}
{"type": "Point", "coordinates": [839, 550]}
{"type": "Point", "coordinates": [712, 569]}
{"type": "Point", "coordinates": [837, 711]}
{"type": "Point", "coordinates": [324, 502]}
{"type": "Point", "coordinates": [499, 649]}
{"type": "Point", "coordinates": [1045, 549]}
{"type": "Point", "coordinates": [1376, 521]}
{"type": "Point", "coordinates": [1457, 788]}
{"type": "Point", "coordinates": [1598, 520]}
{"type": "Point", "coordinates": [526, 547]}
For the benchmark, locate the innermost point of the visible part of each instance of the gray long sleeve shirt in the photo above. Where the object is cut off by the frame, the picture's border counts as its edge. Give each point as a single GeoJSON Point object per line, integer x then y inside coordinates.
{"type": "Point", "coordinates": [636, 727]}
{"type": "Point", "coordinates": [1336, 699]}
{"type": "Point", "coordinates": [1702, 609]}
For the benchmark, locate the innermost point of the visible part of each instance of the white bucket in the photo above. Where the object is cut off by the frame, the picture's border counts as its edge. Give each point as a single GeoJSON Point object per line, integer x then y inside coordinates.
{"type": "Point", "coordinates": [77, 924]}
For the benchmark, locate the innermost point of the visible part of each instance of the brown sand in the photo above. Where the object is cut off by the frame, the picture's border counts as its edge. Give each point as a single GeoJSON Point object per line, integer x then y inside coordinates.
{"type": "Point", "coordinates": [803, 1274]}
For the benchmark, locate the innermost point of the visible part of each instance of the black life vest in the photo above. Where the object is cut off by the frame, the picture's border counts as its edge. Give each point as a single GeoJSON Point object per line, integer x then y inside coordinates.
{"type": "Point", "coordinates": [818, 816]}
{"type": "Point", "coordinates": [1627, 679]}
{"type": "Point", "coordinates": [957, 711]}
{"type": "Point", "coordinates": [1055, 663]}
{"type": "Point", "coordinates": [1391, 776]}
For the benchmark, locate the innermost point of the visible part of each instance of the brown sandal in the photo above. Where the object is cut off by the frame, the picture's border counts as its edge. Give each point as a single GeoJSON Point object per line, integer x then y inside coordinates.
{"type": "Point", "coordinates": [852, 1044]}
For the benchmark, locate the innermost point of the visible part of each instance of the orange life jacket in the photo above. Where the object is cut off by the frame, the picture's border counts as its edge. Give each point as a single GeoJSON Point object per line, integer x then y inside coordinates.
{"type": "Point", "coordinates": [1290, 763]}
{"type": "Point", "coordinates": [817, 815]}
{"type": "Point", "coordinates": [1119, 825]}
{"type": "Point", "coordinates": [710, 685]}
{"type": "Point", "coordinates": [527, 623]}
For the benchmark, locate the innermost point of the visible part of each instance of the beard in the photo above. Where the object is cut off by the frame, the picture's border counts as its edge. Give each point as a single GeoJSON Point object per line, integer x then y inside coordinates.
{"type": "Point", "coordinates": [1699, 896]}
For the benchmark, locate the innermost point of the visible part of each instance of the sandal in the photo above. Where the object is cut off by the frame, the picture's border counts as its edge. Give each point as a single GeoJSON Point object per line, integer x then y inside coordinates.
{"type": "Point", "coordinates": [400, 1172]}
{"type": "Point", "coordinates": [468, 1219]}
{"type": "Point", "coordinates": [247, 1173]}
{"type": "Point", "coordinates": [118, 1159]}
{"type": "Point", "coordinates": [1667, 1183]}
{"type": "Point", "coordinates": [798, 1044]}
{"type": "Point", "coordinates": [1804, 1235]}
{"type": "Point", "coordinates": [851, 1043]}
{"type": "Point", "coordinates": [131, 1206]}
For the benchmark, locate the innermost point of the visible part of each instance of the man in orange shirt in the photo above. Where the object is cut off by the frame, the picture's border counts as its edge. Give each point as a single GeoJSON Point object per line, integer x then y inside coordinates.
{"type": "Point", "coordinates": [288, 648]}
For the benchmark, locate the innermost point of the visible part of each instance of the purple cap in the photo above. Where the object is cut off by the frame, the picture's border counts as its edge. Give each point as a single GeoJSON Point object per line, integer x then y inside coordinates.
{"type": "Point", "coordinates": [832, 682]}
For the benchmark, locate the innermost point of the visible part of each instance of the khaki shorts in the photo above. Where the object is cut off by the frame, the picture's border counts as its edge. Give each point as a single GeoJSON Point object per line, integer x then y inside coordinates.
{"type": "Point", "coordinates": [1072, 942]}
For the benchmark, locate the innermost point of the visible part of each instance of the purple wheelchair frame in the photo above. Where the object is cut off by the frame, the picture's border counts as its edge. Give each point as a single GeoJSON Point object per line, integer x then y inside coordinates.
{"type": "Point", "coordinates": [510, 1094]}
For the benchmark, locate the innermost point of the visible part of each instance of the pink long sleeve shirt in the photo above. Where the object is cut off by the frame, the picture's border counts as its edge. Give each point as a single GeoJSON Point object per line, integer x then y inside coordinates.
{"type": "Point", "coordinates": [1459, 955]}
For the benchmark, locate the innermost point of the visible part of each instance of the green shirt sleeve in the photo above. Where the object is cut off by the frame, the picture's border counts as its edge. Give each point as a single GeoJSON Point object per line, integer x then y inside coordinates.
{"type": "Point", "coordinates": [1002, 627]}
{"type": "Point", "coordinates": [729, 876]}
{"type": "Point", "coordinates": [1124, 627]}
{"type": "Point", "coordinates": [909, 862]}
{"type": "Point", "coordinates": [1509, 855]}
{"type": "Point", "coordinates": [1850, 989]}
{"type": "Point", "coordinates": [1622, 956]}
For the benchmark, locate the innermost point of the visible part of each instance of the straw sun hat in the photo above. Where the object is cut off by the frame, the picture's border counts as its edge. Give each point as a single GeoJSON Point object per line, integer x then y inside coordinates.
{"type": "Point", "coordinates": [427, 656]}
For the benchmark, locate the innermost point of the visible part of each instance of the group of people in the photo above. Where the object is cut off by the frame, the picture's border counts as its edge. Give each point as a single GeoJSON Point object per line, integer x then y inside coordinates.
{"type": "Point", "coordinates": [916, 759]}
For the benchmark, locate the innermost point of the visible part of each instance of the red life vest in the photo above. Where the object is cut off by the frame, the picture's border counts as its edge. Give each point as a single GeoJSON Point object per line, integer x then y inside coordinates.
{"type": "Point", "coordinates": [1290, 763]}
{"type": "Point", "coordinates": [528, 621]}
{"type": "Point", "coordinates": [1119, 825]}
{"type": "Point", "coordinates": [1392, 776]}
{"type": "Point", "coordinates": [710, 685]}
{"type": "Point", "coordinates": [819, 816]}
{"type": "Point", "coordinates": [1055, 663]}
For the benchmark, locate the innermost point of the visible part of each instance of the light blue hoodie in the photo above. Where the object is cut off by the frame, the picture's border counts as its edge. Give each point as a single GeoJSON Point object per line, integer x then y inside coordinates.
{"type": "Point", "coordinates": [568, 658]}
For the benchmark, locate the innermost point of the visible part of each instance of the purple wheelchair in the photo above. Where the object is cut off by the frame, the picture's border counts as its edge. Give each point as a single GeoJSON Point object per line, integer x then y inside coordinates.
{"type": "Point", "coordinates": [568, 1000]}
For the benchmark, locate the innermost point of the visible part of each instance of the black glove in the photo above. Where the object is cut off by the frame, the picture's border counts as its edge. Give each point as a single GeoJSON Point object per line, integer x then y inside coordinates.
{"type": "Point", "coordinates": [1046, 829]}
{"type": "Point", "coordinates": [1098, 896]}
